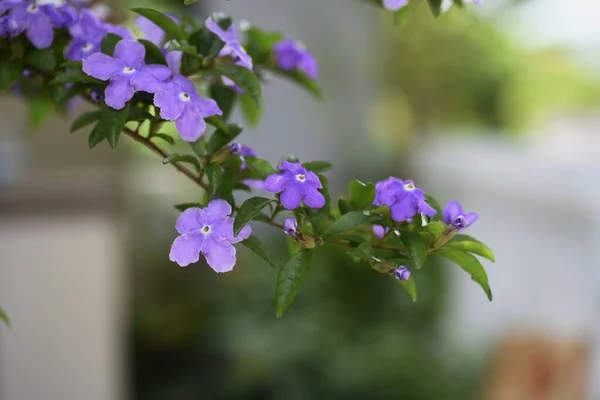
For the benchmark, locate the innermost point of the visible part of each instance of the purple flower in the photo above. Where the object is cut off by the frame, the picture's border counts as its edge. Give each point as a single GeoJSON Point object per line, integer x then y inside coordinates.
{"type": "Point", "coordinates": [36, 20]}
{"type": "Point", "coordinates": [292, 55]}
{"type": "Point", "coordinates": [404, 199]}
{"type": "Point", "coordinates": [126, 72]}
{"type": "Point", "coordinates": [242, 151]}
{"type": "Point", "coordinates": [456, 217]}
{"type": "Point", "coordinates": [232, 46]}
{"type": "Point", "coordinates": [380, 231]}
{"type": "Point", "coordinates": [297, 185]}
{"type": "Point", "coordinates": [256, 184]}
{"type": "Point", "coordinates": [207, 231]}
{"type": "Point", "coordinates": [290, 226]}
{"type": "Point", "coordinates": [394, 5]}
{"type": "Point", "coordinates": [402, 273]}
{"type": "Point", "coordinates": [151, 31]}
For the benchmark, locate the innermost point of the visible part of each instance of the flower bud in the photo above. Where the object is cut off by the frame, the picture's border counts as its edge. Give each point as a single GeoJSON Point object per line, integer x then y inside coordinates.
{"type": "Point", "coordinates": [402, 273]}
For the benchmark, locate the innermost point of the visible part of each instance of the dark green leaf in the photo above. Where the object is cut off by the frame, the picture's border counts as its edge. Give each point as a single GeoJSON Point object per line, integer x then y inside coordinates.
{"type": "Point", "coordinates": [185, 158]}
{"type": "Point", "coordinates": [71, 76]}
{"type": "Point", "coordinates": [64, 94]}
{"type": "Point", "coordinates": [4, 317]}
{"type": "Point", "coordinates": [344, 205]}
{"type": "Point", "coordinates": [436, 7]}
{"type": "Point", "coordinates": [164, 137]}
{"type": "Point", "coordinates": [214, 173]}
{"type": "Point", "coordinates": [43, 60]}
{"type": "Point", "coordinates": [85, 119]}
{"type": "Point", "coordinates": [290, 278]}
{"type": "Point", "coordinates": [109, 126]}
{"type": "Point", "coordinates": [96, 137]}
{"type": "Point", "coordinates": [361, 194]}
{"type": "Point", "coordinates": [71, 64]}
{"type": "Point", "coordinates": [364, 251]}
{"type": "Point", "coordinates": [317, 167]}
{"type": "Point", "coordinates": [353, 219]}
{"type": "Point", "coordinates": [10, 72]}
{"type": "Point", "coordinates": [254, 244]}
{"type": "Point", "coordinates": [251, 112]}
{"type": "Point", "coordinates": [153, 54]}
{"type": "Point", "coordinates": [415, 245]}
{"type": "Point", "coordinates": [225, 97]}
{"type": "Point", "coordinates": [247, 211]}
{"type": "Point", "coordinates": [244, 78]}
{"type": "Point", "coordinates": [109, 42]}
{"type": "Point", "coordinates": [303, 80]}
{"type": "Point", "coordinates": [259, 167]}
{"type": "Point", "coordinates": [138, 114]}
{"type": "Point", "coordinates": [164, 22]}
{"type": "Point", "coordinates": [242, 186]}
{"type": "Point", "coordinates": [471, 265]}
{"type": "Point", "coordinates": [220, 137]}
{"type": "Point", "coordinates": [409, 287]}
{"type": "Point", "coordinates": [434, 203]}
{"type": "Point", "coordinates": [260, 44]}
{"type": "Point", "coordinates": [184, 206]}
{"type": "Point", "coordinates": [467, 243]}
{"type": "Point", "coordinates": [230, 177]}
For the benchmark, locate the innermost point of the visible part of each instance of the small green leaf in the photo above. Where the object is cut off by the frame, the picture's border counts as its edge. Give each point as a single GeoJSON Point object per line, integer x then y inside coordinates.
{"type": "Point", "coordinates": [416, 247]}
{"type": "Point", "coordinates": [225, 97]}
{"type": "Point", "coordinates": [164, 22]}
{"type": "Point", "coordinates": [259, 167]}
{"type": "Point", "coordinates": [251, 112]}
{"type": "Point", "coordinates": [72, 76]}
{"type": "Point", "coordinates": [471, 265]}
{"type": "Point", "coordinates": [138, 114]}
{"type": "Point", "coordinates": [44, 60]}
{"type": "Point", "coordinates": [10, 72]}
{"type": "Point", "coordinates": [244, 78]}
{"type": "Point", "coordinates": [248, 211]}
{"type": "Point", "coordinates": [409, 287]}
{"type": "Point", "coordinates": [241, 186]}
{"type": "Point", "coordinates": [153, 54]}
{"type": "Point", "coordinates": [434, 203]}
{"type": "Point", "coordinates": [436, 7]}
{"type": "Point", "coordinates": [344, 205]}
{"type": "Point", "coordinates": [220, 137]}
{"type": "Point", "coordinates": [164, 137]}
{"type": "Point", "coordinates": [185, 158]}
{"type": "Point", "coordinates": [71, 64]}
{"type": "Point", "coordinates": [362, 194]}
{"type": "Point", "coordinates": [63, 94]}
{"type": "Point", "coordinates": [109, 42]}
{"type": "Point", "coordinates": [4, 317]}
{"type": "Point", "coordinates": [214, 173]}
{"type": "Point", "coordinates": [290, 278]}
{"type": "Point", "coordinates": [109, 126]}
{"type": "Point", "coordinates": [467, 243]}
{"type": "Point", "coordinates": [230, 177]}
{"type": "Point", "coordinates": [184, 206]}
{"type": "Point", "coordinates": [317, 167]}
{"type": "Point", "coordinates": [353, 219]}
{"type": "Point", "coordinates": [85, 119]}
{"type": "Point", "coordinates": [364, 251]}
{"type": "Point", "coordinates": [304, 81]}
{"type": "Point", "coordinates": [254, 244]}
{"type": "Point", "coordinates": [96, 137]}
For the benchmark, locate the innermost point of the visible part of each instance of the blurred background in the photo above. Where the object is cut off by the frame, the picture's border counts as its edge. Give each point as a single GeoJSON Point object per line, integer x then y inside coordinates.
{"type": "Point", "coordinates": [498, 107]}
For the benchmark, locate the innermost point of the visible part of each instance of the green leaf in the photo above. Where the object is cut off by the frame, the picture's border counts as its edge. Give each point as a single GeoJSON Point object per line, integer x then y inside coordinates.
{"type": "Point", "coordinates": [214, 173]}
{"type": "Point", "coordinates": [409, 287]}
{"type": "Point", "coordinates": [254, 244]}
{"type": "Point", "coordinates": [471, 265]}
{"type": "Point", "coordinates": [290, 278]}
{"type": "Point", "coordinates": [225, 97]}
{"type": "Point", "coordinates": [251, 112]}
{"type": "Point", "coordinates": [344, 205]}
{"type": "Point", "coordinates": [153, 54]}
{"type": "Point", "coordinates": [185, 158]}
{"type": "Point", "coordinates": [244, 78]}
{"type": "Point", "coordinates": [109, 42]}
{"type": "Point", "coordinates": [71, 76]}
{"type": "Point", "coordinates": [109, 126]}
{"type": "Point", "coordinates": [164, 137]}
{"type": "Point", "coordinates": [4, 317]}
{"type": "Point", "coordinates": [184, 206]}
{"type": "Point", "coordinates": [220, 137]}
{"type": "Point", "coordinates": [248, 210]}
{"type": "Point", "coordinates": [364, 251]}
{"type": "Point", "coordinates": [241, 186]}
{"type": "Point", "coordinates": [320, 218]}
{"type": "Point", "coordinates": [188, 2]}
{"type": "Point", "coordinates": [401, 15]}
{"type": "Point", "coordinates": [10, 72]}
{"type": "Point", "coordinates": [138, 114]}
{"type": "Point", "coordinates": [436, 7]}
{"type": "Point", "coordinates": [85, 119]}
{"type": "Point", "coordinates": [230, 177]}
{"type": "Point", "coordinates": [44, 60]}
{"type": "Point", "coordinates": [63, 94]}
{"type": "Point", "coordinates": [317, 167]}
{"type": "Point", "coordinates": [260, 44]}
{"type": "Point", "coordinates": [164, 22]}
{"type": "Point", "coordinates": [361, 194]}
{"type": "Point", "coordinates": [304, 81]}
{"type": "Point", "coordinates": [259, 167]}
{"type": "Point", "coordinates": [71, 64]}
{"type": "Point", "coordinates": [348, 221]}
{"type": "Point", "coordinates": [416, 247]}
{"type": "Point", "coordinates": [434, 203]}
{"type": "Point", "coordinates": [467, 243]}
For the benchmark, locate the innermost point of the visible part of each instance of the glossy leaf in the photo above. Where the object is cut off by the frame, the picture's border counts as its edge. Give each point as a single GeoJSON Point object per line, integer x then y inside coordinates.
{"type": "Point", "coordinates": [225, 97]}
{"type": "Point", "coordinates": [344, 205]}
{"type": "Point", "coordinates": [43, 60]}
{"type": "Point", "coordinates": [258, 247]}
{"type": "Point", "coordinates": [317, 167]}
{"type": "Point", "coordinates": [153, 53]}
{"type": "Point", "coordinates": [290, 278]}
{"type": "Point", "coordinates": [251, 112]}
{"type": "Point", "coordinates": [111, 124]}
{"type": "Point", "coordinates": [163, 21]}
{"type": "Point", "coordinates": [220, 138]}
{"type": "Point", "coordinates": [244, 78]}
{"type": "Point", "coordinates": [259, 167]}
{"type": "Point", "coordinates": [214, 173]}
{"type": "Point", "coordinates": [362, 194]}
{"type": "Point", "coordinates": [138, 114]}
{"type": "Point", "coordinates": [416, 247]}
{"type": "Point", "coordinates": [85, 119]}
{"type": "Point", "coordinates": [467, 243]}
{"type": "Point", "coordinates": [471, 265]}
{"type": "Point", "coordinates": [185, 158]}
{"type": "Point", "coordinates": [164, 137]}
{"type": "Point", "coordinates": [347, 221]}
{"type": "Point", "coordinates": [109, 42]}
{"type": "Point", "coordinates": [364, 251]}
{"type": "Point", "coordinates": [409, 287]}
{"type": "Point", "coordinates": [248, 211]}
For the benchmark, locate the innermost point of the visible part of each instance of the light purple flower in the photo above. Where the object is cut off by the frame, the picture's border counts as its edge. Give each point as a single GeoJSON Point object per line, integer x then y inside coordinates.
{"type": "Point", "coordinates": [456, 217]}
{"type": "Point", "coordinates": [256, 184]}
{"type": "Point", "coordinates": [402, 273]}
{"type": "Point", "coordinates": [296, 184]}
{"type": "Point", "coordinates": [292, 55]}
{"type": "Point", "coordinates": [404, 199]}
{"type": "Point", "coordinates": [242, 151]}
{"type": "Point", "coordinates": [151, 31]}
{"type": "Point", "coordinates": [232, 46]}
{"type": "Point", "coordinates": [394, 5]}
{"type": "Point", "coordinates": [126, 72]}
{"type": "Point", "coordinates": [38, 21]}
{"type": "Point", "coordinates": [290, 226]}
{"type": "Point", "coordinates": [380, 231]}
{"type": "Point", "coordinates": [207, 231]}
{"type": "Point", "coordinates": [88, 32]}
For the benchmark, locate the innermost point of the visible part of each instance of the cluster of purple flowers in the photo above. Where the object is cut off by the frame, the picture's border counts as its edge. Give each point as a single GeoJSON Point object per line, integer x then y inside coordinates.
{"type": "Point", "coordinates": [296, 185]}
{"type": "Point", "coordinates": [291, 55]}
{"type": "Point", "coordinates": [403, 198]}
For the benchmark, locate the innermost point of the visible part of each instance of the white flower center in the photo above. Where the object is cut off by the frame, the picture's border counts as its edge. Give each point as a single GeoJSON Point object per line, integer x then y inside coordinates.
{"type": "Point", "coordinates": [128, 70]}
{"type": "Point", "coordinates": [409, 186]}
{"type": "Point", "coordinates": [300, 177]}
{"type": "Point", "coordinates": [87, 47]}
{"type": "Point", "coordinates": [183, 96]}
{"type": "Point", "coordinates": [205, 230]}
{"type": "Point", "coordinates": [33, 8]}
